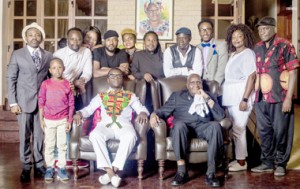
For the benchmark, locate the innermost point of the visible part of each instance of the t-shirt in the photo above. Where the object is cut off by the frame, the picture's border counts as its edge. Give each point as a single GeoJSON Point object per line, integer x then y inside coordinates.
{"type": "Point", "coordinates": [110, 61]}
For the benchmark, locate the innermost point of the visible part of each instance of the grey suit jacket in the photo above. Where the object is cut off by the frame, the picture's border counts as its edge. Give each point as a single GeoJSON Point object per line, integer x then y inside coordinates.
{"type": "Point", "coordinates": [216, 61]}
{"type": "Point", "coordinates": [24, 80]}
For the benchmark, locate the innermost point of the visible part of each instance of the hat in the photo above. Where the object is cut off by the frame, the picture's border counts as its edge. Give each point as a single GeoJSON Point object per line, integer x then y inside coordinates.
{"type": "Point", "coordinates": [110, 33]}
{"type": "Point", "coordinates": [184, 30]}
{"type": "Point", "coordinates": [266, 21]}
{"type": "Point", "coordinates": [128, 31]}
{"type": "Point", "coordinates": [33, 25]}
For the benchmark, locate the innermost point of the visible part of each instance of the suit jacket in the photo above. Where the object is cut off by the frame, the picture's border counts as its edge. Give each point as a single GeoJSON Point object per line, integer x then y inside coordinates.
{"type": "Point", "coordinates": [216, 61]}
{"type": "Point", "coordinates": [179, 104]}
{"type": "Point", "coordinates": [24, 80]}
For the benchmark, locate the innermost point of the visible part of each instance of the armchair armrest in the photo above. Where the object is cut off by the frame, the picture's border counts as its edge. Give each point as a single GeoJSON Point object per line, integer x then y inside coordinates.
{"type": "Point", "coordinates": [226, 124]}
{"type": "Point", "coordinates": [160, 133]}
{"type": "Point", "coordinates": [142, 130]}
{"type": "Point", "coordinates": [74, 142]}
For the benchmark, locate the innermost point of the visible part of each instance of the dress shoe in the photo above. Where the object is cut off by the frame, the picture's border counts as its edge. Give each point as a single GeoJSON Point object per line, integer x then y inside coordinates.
{"type": "Point", "coordinates": [180, 178]}
{"type": "Point", "coordinates": [212, 180]}
{"type": "Point", "coordinates": [25, 175]}
{"type": "Point", "coordinates": [39, 172]}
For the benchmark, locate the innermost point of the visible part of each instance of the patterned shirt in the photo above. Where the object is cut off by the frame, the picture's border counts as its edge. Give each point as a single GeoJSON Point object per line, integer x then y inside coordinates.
{"type": "Point", "coordinates": [272, 69]}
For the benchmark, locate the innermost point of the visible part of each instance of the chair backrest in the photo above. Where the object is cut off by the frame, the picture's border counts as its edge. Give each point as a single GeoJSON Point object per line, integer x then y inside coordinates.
{"type": "Point", "coordinates": [178, 83]}
{"type": "Point", "coordinates": [138, 87]}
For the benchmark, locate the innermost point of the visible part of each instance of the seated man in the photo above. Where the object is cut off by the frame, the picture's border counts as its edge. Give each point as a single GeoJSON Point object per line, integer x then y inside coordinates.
{"type": "Point", "coordinates": [196, 111]}
{"type": "Point", "coordinates": [116, 107]}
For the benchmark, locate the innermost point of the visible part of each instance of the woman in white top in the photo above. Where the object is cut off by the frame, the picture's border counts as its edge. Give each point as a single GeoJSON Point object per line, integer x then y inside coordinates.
{"type": "Point", "coordinates": [238, 88]}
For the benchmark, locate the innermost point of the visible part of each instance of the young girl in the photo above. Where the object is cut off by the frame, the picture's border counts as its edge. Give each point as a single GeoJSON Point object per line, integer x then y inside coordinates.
{"type": "Point", "coordinates": [56, 107]}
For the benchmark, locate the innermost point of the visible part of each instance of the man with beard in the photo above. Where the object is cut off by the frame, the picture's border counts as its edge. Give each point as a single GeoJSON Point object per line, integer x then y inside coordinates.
{"type": "Point", "coordinates": [78, 70]}
{"type": "Point", "coordinates": [182, 58]}
{"type": "Point", "coordinates": [109, 56]}
{"type": "Point", "coordinates": [77, 60]}
{"type": "Point", "coordinates": [27, 69]}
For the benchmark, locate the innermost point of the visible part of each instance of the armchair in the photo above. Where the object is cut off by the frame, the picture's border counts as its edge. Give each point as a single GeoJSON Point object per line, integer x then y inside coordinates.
{"type": "Point", "coordinates": [80, 147]}
{"type": "Point", "coordinates": [198, 147]}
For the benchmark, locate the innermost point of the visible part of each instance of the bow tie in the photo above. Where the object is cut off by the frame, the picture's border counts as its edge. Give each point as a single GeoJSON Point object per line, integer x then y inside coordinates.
{"type": "Point", "coordinates": [205, 44]}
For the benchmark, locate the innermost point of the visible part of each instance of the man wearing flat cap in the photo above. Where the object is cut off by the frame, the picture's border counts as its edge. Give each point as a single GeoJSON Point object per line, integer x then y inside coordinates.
{"type": "Point", "coordinates": [109, 56]}
{"type": "Point", "coordinates": [182, 58]}
{"type": "Point", "coordinates": [276, 64]}
{"type": "Point", "coordinates": [27, 69]}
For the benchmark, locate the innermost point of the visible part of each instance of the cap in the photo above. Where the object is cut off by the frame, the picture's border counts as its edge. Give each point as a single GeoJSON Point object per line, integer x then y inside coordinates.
{"type": "Point", "coordinates": [184, 30]}
{"type": "Point", "coordinates": [128, 31]}
{"type": "Point", "coordinates": [266, 21]}
{"type": "Point", "coordinates": [110, 33]}
{"type": "Point", "coordinates": [33, 25]}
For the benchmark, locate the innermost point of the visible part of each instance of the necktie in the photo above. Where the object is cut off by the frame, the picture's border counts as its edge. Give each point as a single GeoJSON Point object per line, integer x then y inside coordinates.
{"type": "Point", "coordinates": [205, 44]}
{"type": "Point", "coordinates": [36, 59]}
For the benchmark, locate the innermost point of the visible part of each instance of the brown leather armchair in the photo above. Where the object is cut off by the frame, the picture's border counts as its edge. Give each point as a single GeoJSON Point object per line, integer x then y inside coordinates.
{"type": "Point", "coordinates": [198, 147]}
{"type": "Point", "coordinates": [80, 147]}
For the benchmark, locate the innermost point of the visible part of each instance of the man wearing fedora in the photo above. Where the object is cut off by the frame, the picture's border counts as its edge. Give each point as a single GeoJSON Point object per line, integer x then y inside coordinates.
{"type": "Point", "coordinates": [182, 58]}
{"type": "Point", "coordinates": [276, 64]}
{"type": "Point", "coordinates": [27, 69]}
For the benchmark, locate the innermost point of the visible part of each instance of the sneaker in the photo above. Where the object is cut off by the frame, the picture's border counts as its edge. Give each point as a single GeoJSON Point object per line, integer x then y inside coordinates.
{"type": "Point", "coordinates": [232, 163]}
{"type": "Point", "coordinates": [49, 174]}
{"type": "Point", "coordinates": [237, 167]}
{"type": "Point", "coordinates": [279, 171]}
{"type": "Point", "coordinates": [104, 179]}
{"type": "Point", "coordinates": [116, 181]}
{"type": "Point", "coordinates": [62, 174]}
{"type": "Point", "coordinates": [262, 169]}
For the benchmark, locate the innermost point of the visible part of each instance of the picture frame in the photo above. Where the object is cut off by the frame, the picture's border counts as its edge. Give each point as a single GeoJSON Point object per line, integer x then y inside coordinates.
{"type": "Point", "coordinates": [149, 13]}
{"type": "Point", "coordinates": [169, 45]}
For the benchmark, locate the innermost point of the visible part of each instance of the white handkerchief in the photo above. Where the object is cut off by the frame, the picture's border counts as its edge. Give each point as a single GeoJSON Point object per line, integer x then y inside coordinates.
{"type": "Point", "coordinates": [199, 106]}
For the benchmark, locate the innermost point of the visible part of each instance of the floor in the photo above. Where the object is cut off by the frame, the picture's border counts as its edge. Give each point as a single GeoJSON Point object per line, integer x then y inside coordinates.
{"type": "Point", "coordinates": [10, 172]}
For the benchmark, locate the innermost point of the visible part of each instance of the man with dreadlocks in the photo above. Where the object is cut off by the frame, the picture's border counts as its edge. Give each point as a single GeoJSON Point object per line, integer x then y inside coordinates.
{"type": "Point", "coordinates": [116, 107]}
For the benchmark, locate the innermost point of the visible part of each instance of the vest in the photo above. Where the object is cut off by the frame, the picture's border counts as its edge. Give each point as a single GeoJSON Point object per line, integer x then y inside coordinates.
{"type": "Point", "coordinates": [176, 58]}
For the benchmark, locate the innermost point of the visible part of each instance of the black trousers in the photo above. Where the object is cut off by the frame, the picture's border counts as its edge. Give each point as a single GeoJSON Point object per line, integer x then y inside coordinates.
{"type": "Point", "coordinates": [210, 131]}
{"type": "Point", "coordinates": [276, 132]}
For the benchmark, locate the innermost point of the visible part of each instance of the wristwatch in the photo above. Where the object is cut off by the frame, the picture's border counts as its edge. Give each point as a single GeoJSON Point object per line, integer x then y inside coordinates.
{"type": "Point", "coordinates": [207, 99]}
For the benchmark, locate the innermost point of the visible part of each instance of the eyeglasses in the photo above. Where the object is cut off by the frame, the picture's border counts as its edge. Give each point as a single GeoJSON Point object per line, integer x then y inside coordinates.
{"type": "Point", "coordinates": [115, 76]}
{"type": "Point", "coordinates": [205, 30]}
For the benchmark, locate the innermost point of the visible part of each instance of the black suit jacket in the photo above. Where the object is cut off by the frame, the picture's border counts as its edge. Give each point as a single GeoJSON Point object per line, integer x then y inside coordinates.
{"type": "Point", "coordinates": [179, 104]}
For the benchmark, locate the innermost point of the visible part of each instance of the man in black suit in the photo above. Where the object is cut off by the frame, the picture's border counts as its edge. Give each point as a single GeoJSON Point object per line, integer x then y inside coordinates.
{"type": "Point", "coordinates": [197, 111]}
{"type": "Point", "coordinates": [27, 69]}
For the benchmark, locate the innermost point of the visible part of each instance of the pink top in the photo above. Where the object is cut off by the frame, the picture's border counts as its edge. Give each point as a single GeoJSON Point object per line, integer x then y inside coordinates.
{"type": "Point", "coordinates": [56, 97]}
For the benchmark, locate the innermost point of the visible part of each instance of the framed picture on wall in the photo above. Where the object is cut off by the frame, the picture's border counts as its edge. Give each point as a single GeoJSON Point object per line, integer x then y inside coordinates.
{"type": "Point", "coordinates": [169, 45]}
{"type": "Point", "coordinates": [154, 15]}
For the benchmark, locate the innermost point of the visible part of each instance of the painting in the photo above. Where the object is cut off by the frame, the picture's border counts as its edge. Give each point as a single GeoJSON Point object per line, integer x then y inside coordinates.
{"type": "Point", "coordinates": [154, 15]}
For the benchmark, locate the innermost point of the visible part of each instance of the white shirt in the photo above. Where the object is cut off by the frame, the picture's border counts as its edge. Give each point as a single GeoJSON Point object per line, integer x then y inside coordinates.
{"type": "Point", "coordinates": [32, 50]}
{"type": "Point", "coordinates": [77, 64]}
{"type": "Point", "coordinates": [125, 115]}
{"type": "Point", "coordinates": [169, 70]}
{"type": "Point", "coordinates": [205, 51]}
{"type": "Point", "coordinates": [237, 71]}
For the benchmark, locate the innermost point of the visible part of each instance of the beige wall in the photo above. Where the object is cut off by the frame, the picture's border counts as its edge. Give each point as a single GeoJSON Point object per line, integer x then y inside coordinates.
{"type": "Point", "coordinates": [121, 14]}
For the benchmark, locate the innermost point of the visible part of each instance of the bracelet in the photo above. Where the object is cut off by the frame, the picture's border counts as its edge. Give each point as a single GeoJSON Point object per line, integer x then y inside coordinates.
{"type": "Point", "coordinates": [245, 100]}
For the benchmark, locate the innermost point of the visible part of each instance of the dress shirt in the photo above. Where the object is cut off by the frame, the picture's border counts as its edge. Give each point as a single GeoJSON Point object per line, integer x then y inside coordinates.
{"type": "Point", "coordinates": [77, 64]}
{"type": "Point", "coordinates": [169, 70]}
{"type": "Point", "coordinates": [205, 51]}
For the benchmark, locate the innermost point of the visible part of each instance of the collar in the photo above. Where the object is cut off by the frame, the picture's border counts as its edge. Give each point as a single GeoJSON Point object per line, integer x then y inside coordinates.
{"type": "Point", "coordinates": [189, 49]}
{"type": "Point", "coordinates": [271, 40]}
{"type": "Point", "coordinates": [112, 90]}
{"type": "Point", "coordinates": [71, 52]}
{"type": "Point", "coordinates": [31, 50]}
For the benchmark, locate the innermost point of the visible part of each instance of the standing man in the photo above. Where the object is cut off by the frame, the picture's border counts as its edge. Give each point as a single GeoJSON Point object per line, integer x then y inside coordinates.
{"type": "Point", "coordinates": [214, 52]}
{"type": "Point", "coordinates": [78, 63]}
{"type": "Point", "coordinates": [195, 111]}
{"type": "Point", "coordinates": [27, 69]}
{"type": "Point", "coordinates": [182, 58]}
{"type": "Point", "coordinates": [110, 56]}
{"type": "Point", "coordinates": [276, 64]}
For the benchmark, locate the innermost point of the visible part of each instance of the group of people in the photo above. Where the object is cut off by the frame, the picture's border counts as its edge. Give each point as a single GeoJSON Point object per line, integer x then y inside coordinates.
{"type": "Point", "coordinates": [262, 74]}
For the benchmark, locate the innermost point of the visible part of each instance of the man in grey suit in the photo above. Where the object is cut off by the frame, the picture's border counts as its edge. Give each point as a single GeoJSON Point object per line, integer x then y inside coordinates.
{"type": "Point", "coordinates": [27, 69]}
{"type": "Point", "coordinates": [214, 52]}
